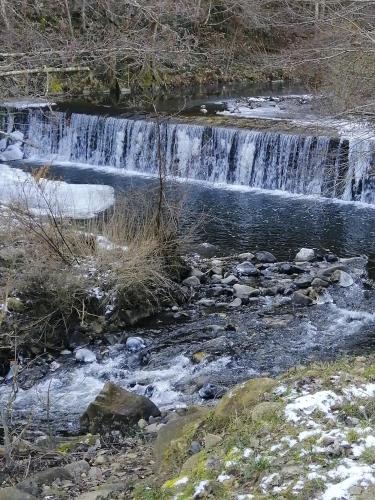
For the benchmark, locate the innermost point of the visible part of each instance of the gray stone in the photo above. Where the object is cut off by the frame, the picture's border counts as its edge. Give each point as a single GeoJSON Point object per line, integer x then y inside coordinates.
{"type": "Point", "coordinates": [229, 280]}
{"type": "Point", "coordinates": [192, 281]}
{"type": "Point", "coordinates": [211, 391]}
{"type": "Point", "coordinates": [195, 447]}
{"type": "Point", "coordinates": [265, 257]}
{"type": "Point", "coordinates": [237, 302]}
{"type": "Point", "coordinates": [246, 256]}
{"type": "Point", "coordinates": [212, 440]}
{"type": "Point", "coordinates": [206, 302]}
{"type": "Point", "coordinates": [84, 355]}
{"type": "Point", "coordinates": [76, 469]}
{"type": "Point", "coordinates": [319, 283]}
{"type": "Point", "coordinates": [247, 269]}
{"type": "Point", "coordinates": [245, 291]}
{"type": "Point", "coordinates": [135, 344]}
{"type": "Point", "coordinates": [33, 485]}
{"type": "Point", "coordinates": [13, 493]}
{"type": "Point", "coordinates": [116, 409]}
{"type": "Point", "coordinates": [300, 299]}
{"type": "Point", "coordinates": [216, 279]}
{"type": "Point", "coordinates": [305, 255]}
{"type": "Point", "coordinates": [196, 272]}
{"type": "Point", "coordinates": [303, 281]}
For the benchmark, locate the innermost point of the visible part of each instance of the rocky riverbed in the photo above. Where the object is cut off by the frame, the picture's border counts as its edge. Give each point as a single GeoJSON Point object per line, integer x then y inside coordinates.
{"type": "Point", "coordinates": [243, 316]}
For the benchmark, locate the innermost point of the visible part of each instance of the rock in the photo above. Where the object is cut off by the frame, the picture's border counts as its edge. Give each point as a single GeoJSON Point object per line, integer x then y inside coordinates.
{"type": "Point", "coordinates": [142, 424]}
{"type": "Point", "coordinates": [84, 355]}
{"type": "Point", "coordinates": [65, 352]}
{"type": "Point", "coordinates": [266, 411]}
{"type": "Point", "coordinates": [247, 269]}
{"type": "Point", "coordinates": [206, 302]}
{"type": "Point", "coordinates": [245, 291]}
{"type": "Point", "coordinates": [54, 366]}
{"type": "Point", "coordinates": [13, 493]}
{"type": "Point", "coordinates": [342, 278]}
{"type": "Point", "coordinates": [299, 299]}
{"type": "Point", "coordinates": [216, 279]}
{"type": "Point", "coordinates": [319, 283]}
{"type": "Point", "coordinates": [196, 272]}
{"type": "Point", "coordinates": [103, 492]}
{"type": "Point", "coordinates": [212, 440]}
{"type": "Point", "coordinates": [229, 280]}
{"type": "Point", "coordinates": [331, 257]}
{"type": "Point", "coordinates": [14, 304]}
{"type": "Point", "coordinates": [303, 281]}
{"type": "Point", "coordinates": [328, 271]}
{"type": "Point", "coordinates": [116, 409]}
{"type": "Point", "coordinates": [289, 269]}
{"type": "Point", "coordinates": [198, 357]}
{"type": "Point", "coordinates": [192, 281]}
{"type": "Point", "coordinates": [195, 447]}
{"type": "Point", "coordinates": [211, 391]}
{"type": "Point", "coordinates": [76, 469]}
{"type": "Point", "coordinates": [135, 344]}
{"type": "Point", "coordinates": [177, 433]}
{"type": "Point", "coordinates": [237, 302]}
{"type": "Point", "coordinates": [246, 256]}
{"type": "Point", "coordinates": [206, 250]}
{"type": "Point", "coordinates": [154, 428]}
{"type": "Point", "coordinates": [305, 255]}
{"type": "Point", "coordinates": [265, 257]}
{"type": "Point", "coordinates": [243, 397]}
{"type": "Point", "coordinates": [33, 484]}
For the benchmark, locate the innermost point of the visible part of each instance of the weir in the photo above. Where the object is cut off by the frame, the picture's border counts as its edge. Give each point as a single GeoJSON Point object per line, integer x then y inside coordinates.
{"type": "Point", "coordinates": [295, 163]}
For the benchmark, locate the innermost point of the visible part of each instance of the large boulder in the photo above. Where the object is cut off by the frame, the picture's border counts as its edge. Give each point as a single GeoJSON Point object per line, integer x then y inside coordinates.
{"type": "Point", "coordinates": [116, 409]}
{"type": "Point", "coordinates": [265, 257]}
{"type": "Point", "coordinates": [244, 397]}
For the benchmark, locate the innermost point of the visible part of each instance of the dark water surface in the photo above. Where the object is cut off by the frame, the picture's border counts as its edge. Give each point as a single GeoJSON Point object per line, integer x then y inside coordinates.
{"type": "Point", "coordinates": [238, 221]}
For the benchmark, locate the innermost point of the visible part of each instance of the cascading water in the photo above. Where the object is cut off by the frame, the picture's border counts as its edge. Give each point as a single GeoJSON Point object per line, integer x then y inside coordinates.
{"type": "Point", "coordinates": [330, 167]}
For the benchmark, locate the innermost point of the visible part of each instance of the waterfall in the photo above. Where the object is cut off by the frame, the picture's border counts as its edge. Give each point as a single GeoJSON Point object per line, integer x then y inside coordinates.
{"type": "Point", "coordinates": [330, 167]}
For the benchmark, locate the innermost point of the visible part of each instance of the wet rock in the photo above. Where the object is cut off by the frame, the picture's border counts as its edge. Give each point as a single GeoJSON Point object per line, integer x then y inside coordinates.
{"type": "Point", "coordinates": [331, 257]}
{"type": "Point", "coordinates": [265, 257]}
{"type": "Point", "coordinates": [319, 283]}
{"type": "Point", "coordinates": [206, 302]}
{"type": "Point", "coordinates": [211, 391]}
{"type": "Point", "coordinates": [289, 269]}
{"type": "Point", "coordinates": [229, 280]}
{"type": "Point", "coordinates": [135, 344]}
{"type": "Point", "coordinates": [206, 250]}
{"type": "Point", "coordinates": [247, 269]}
{"type": "Point", "coordinates": [305, 255]}
{"type": "Point", "coordinates": [328, 271]}
{"type": "Point", "coordinates": [246, 256]}
{"type": "Point", "coordinates": [245, 291]}
{"type": "Point", "coordinates": [300, 299]}
{"type": "Point", "coordinates": [192, 281]}
{"type": "Point", "coordinates": [196, 272]}
{"type": "Point", "coordinates": [84, 355]}
{"type": "Point", "coordinates": [116, 409]}
{"type": "Point", "coordinates": [215, 279]}
{"type": "Point", "coordinates": [342, 278]}
{"type": "Point", "coordinates": [303, 281]}
{"type": "Point", "coordinates": [237, 302]}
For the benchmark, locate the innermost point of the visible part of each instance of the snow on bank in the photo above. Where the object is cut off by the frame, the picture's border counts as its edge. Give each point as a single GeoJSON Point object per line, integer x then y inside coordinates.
{"type": "Point", "coordinates": [68, 200]}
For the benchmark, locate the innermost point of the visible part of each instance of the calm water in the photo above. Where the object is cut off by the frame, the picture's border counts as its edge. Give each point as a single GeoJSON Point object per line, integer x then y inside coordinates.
{"type": "Point", "coordinates": [243, 221]}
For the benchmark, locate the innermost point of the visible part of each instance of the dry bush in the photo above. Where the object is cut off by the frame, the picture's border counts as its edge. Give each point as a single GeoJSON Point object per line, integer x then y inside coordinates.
{"type": "Point", "coordinates": [68, 273]}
